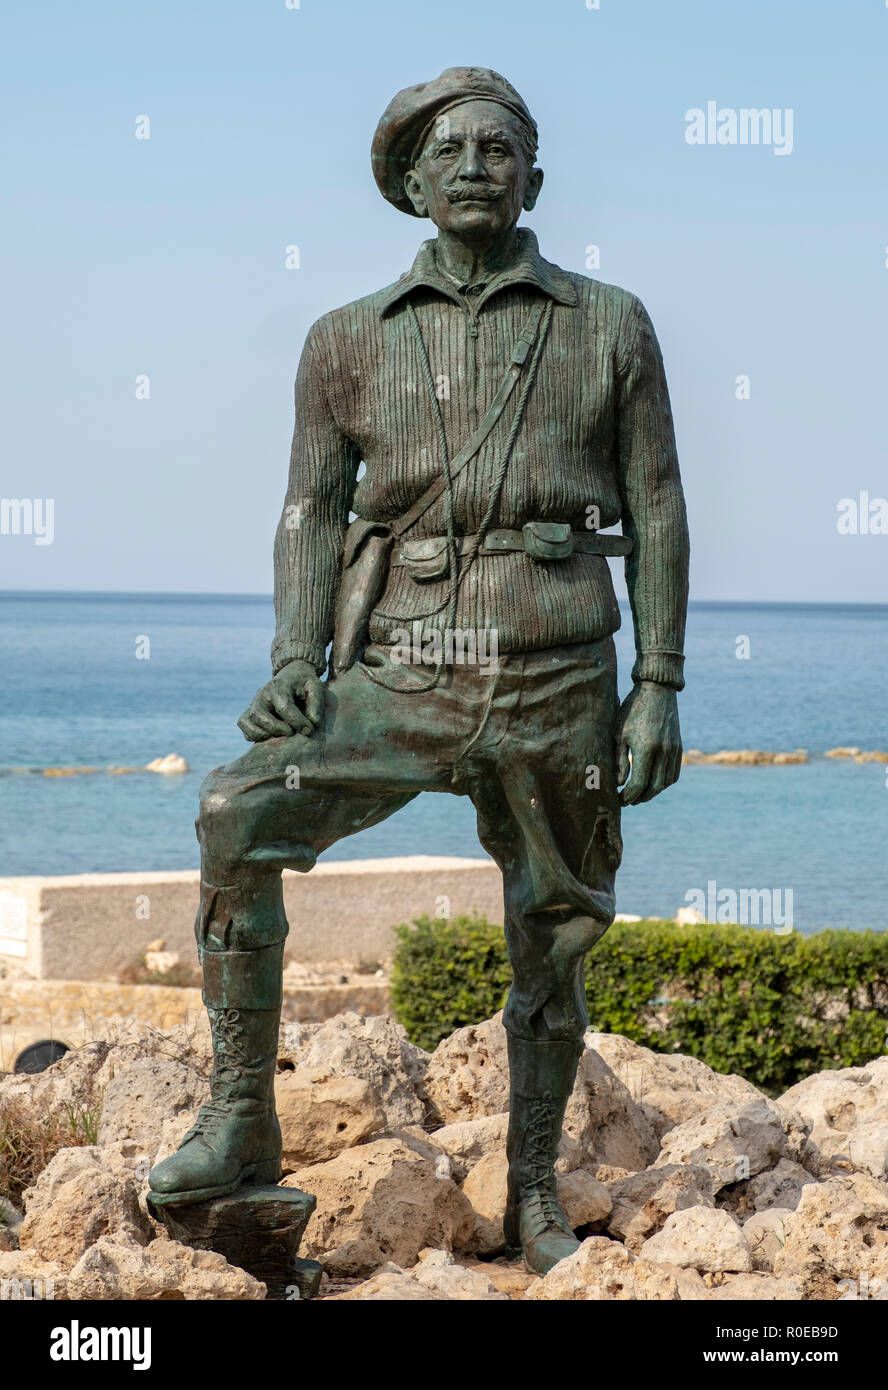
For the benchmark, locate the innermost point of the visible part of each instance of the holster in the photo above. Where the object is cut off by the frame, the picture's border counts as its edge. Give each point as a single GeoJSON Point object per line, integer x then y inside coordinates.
{"type": "Point", "coordinates": [365, 563]}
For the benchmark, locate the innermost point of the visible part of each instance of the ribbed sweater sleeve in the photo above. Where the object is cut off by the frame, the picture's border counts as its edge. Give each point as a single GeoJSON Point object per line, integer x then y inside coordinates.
{"type": "Point", "coordinates": [653, 503]}
{"type": "Point", "coordinates": [308, 543]}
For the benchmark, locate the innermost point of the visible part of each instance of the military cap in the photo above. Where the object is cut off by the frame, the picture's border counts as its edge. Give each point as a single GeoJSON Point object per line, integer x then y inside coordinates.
{"type": "Point", "coordinates": [410, 115]}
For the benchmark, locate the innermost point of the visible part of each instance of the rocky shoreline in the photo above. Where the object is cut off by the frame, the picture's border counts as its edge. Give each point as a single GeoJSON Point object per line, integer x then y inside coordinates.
{"type": "Point", "coordinates": [758, 757]}
{"type": "Point", "coordinates": [683, 1184]}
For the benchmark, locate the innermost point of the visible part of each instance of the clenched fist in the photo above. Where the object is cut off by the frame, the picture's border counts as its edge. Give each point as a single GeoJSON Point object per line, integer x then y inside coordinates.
{"type": "Point", "coordinates": [291, 703]}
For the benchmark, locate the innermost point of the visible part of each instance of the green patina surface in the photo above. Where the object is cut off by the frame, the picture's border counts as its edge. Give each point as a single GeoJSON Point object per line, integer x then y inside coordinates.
{"type": "Point", "coordinates": [505, 411]}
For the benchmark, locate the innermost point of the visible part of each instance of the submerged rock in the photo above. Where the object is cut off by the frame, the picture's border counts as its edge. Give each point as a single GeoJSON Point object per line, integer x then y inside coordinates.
{"type": "Point", "coordinates": [172, 763]}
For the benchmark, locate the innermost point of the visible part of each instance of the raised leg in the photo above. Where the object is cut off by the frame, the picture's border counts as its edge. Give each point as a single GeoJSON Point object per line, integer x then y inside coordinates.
{"type": "Point", "coordinates": [250, 828]}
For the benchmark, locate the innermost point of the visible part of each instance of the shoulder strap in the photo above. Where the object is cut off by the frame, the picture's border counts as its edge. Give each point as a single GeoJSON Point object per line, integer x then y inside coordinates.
{"type": "Point", "coordinates": [520, 354]}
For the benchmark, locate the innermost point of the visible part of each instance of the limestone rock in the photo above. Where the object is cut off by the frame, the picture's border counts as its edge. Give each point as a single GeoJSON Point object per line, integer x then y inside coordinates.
{"type": "Point", "coordinates": [172, 1132]}
{"type": "Point", "coordinates": [508, 1276]}
{"type": "Point", "coordinates": [485, 1188]}
{"type": "Point", "coordinates": [839, 1230]}
{"type": "Point", "coordinates": [692, 1287]}
{"type": "Point", "coordinates": [669, 1087]}
{"type": "Point", "coordinates": [604, 1119]}
{"type": "Point", "coordinates": [133, 1042]}
{"type": "Point", "coordinates": [381, 1201]}
{"type": "Point", "coordinates": [169, 764]}
{"type": "Point", "coordinates": [320, 1115]}
{"type": "Point", "coordinates": [733, 1141]}
{"type": "Point", "coordinates": [139, 1099]}
{"type": "Point", "coordinates": [703, 1238]}
{"type": "Point", "coordinates": [755, 1288]}
{"type": "Point", "coordinates": [390, 1285]}
{"type": "Point", "coordinates": [584, 1200]}
{"type": "Point", "coordinates": [376, 1050]}
{"type": "Point", "coordinates": [602, 1269]}
{"type": "Point", "coordinates": [10, 1222]}
{"type": "Point", "coordinates": [468, 1074]}
{"type": "Point", "coordinates": [765, 1233]}
{"type": "Point", "coordinates": [75, 1201]}
{"type": "Point", "coordinates": [689, 917]}
{"type": "Point", "coordinates": [439, 1271]}
{"type": "Point", "coordinates": [72, 1081]}
{"type": "Point", "coordinates": [468, 1078]}
{"type": "Point", "coordinates": [161, 962]}
{"type": "Point", "coordinates": [468, 1141]}
{"type": "Point", "coordinates": [25, 1275]}
{"type": "Point", "coordinates": [609, 1172]}
{"type": "Point", "coordinates": [847, 1111]}
{"type": "Point", "coordinates": [778, 1187]}
{"type": "Point", "coordinates": [746, 757]}
{"type": "Point", "coordinates": [857, 755]}
{"type": "Point", "coordinates": [643, 1201]}
{"type": "Point", "coordinates": [117, 1267]}
{"type": "Point", "coordinates": [797, 1136]}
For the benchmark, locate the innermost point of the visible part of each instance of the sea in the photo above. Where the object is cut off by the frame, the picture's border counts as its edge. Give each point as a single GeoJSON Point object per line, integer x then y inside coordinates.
{"type": "Point", "coordinates": [111, 680]}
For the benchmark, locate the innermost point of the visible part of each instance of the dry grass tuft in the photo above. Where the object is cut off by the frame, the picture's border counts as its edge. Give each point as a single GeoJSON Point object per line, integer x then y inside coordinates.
{"type": "Point", "coordinates": [28, 1141]}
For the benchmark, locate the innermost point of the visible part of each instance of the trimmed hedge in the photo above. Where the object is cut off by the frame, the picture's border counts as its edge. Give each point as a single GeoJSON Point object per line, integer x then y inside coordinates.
{"type": "Point", "coordinates": [772, 1008]}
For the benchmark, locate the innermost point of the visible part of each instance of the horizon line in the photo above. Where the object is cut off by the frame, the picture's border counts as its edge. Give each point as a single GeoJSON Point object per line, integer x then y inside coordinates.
{"type": "Point", "coordinates": [268, 596]}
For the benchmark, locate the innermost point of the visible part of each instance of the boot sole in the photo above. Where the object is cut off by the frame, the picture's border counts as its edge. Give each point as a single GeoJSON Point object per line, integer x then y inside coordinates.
{"type": "Point", "coordinates": [263, 1173]}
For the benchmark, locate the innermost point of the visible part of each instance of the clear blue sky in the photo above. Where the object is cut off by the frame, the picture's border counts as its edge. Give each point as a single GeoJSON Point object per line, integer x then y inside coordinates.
{"type": "Point", "coordinates": [166, 257]}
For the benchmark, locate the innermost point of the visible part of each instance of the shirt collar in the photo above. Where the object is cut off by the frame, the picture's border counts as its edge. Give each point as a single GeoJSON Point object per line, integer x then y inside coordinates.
{"type": "Point", "coordinates": [528, 267]}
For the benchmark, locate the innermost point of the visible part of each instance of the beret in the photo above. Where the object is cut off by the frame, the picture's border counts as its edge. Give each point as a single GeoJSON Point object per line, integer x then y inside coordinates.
{"type": "Point", "coordinates": [412, 111]}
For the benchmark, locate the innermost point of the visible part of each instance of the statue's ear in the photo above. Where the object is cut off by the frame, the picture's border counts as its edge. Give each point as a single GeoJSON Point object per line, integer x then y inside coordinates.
{"type": "Point", "coordinates": [532, 189]}
{"type": "Point", "coordinates": [413, 189]}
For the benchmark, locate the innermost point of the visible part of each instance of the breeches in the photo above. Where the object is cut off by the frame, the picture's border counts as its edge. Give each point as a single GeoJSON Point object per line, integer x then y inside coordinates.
{"type": "Point", "coordinates": [532, 744]}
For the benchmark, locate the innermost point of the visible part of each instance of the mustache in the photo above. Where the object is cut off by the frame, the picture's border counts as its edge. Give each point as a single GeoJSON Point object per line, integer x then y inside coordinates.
{"type": "Point", "coordinates": [480, 193]}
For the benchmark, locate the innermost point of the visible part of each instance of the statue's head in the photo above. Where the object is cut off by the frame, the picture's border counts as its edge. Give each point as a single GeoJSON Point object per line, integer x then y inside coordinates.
{"type": "Point", "coordinates": [460, 150]}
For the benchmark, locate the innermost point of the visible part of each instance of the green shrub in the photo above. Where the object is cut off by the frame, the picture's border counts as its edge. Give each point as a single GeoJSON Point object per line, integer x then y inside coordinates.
{"type": "Point", "coordinates": [448, 974]}
{"type": "Point", "coordinates": [772, 1008]}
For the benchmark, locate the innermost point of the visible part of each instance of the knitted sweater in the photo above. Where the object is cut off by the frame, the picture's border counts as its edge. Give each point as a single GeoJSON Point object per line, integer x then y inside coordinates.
{"type": "Point", "coordinates": [596, 433]}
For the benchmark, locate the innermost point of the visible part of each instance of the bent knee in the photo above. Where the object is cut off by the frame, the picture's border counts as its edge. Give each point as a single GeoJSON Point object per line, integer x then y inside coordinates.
{"type": "Point", "coordinates": [217, 823]}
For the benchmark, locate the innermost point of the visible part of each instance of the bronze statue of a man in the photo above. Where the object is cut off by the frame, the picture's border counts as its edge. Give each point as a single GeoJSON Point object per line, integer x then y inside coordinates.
{"type": "Point", "coordinates": [506, 411]}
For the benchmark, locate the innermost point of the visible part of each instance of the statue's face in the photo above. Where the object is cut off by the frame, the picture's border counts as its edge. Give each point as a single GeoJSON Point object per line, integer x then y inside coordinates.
{"type": "Point", "coordinates": [473, 176]}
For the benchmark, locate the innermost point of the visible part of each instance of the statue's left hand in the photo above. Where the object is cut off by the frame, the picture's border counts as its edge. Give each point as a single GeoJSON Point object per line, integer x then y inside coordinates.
{"type": "Point", "coordinates": [649, 730]}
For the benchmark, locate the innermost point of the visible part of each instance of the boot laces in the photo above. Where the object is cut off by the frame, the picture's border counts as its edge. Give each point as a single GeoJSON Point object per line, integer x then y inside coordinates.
{"type": "Point", "coordinates": [541, 1143]}
{"type": "Point", "coordinates": [231, 1065]}
{"type": "Point", "coordinates": [210, 1118]}
{"type": "Point", "coordinates": [229, 1056]}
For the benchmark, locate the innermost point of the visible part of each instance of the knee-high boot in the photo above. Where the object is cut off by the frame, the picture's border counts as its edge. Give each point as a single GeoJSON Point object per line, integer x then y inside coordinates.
{"type": "Point", "coordinates": [236, 1137]}
{"type": "Point", "coordinates": [541, 1078]}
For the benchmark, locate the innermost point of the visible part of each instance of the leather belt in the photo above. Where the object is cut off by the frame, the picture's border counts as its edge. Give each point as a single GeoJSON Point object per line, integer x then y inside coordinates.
{"type": "Point", "coordinates": [538, 546]}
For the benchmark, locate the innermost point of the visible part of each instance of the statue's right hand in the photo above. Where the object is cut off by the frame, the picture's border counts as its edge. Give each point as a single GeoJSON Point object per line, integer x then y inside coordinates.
{"type": "Point", "coordinates": [291, 703]}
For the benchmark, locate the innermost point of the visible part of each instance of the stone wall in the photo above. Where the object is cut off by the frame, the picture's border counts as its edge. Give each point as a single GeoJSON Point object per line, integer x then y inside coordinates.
{"type": "Point", "coordinates": [77, 1012]}
{"type": "Point", "coordinates": [91, 926]}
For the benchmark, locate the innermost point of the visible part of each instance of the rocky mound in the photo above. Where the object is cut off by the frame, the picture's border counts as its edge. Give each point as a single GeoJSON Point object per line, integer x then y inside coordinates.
{"type": "Point", "coordinates": [682, 1183]}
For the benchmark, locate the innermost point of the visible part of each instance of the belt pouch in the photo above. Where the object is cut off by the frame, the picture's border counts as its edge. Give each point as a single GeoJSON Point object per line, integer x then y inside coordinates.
{"type": "Point", "coordinates": [548, 540]}
{"type": "Point", "coordinates": [426, 559]}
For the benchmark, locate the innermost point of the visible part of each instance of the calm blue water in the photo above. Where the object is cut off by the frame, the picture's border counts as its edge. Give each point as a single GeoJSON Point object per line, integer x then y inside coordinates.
{"type": "Point", "coordinates": [73, 692]}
